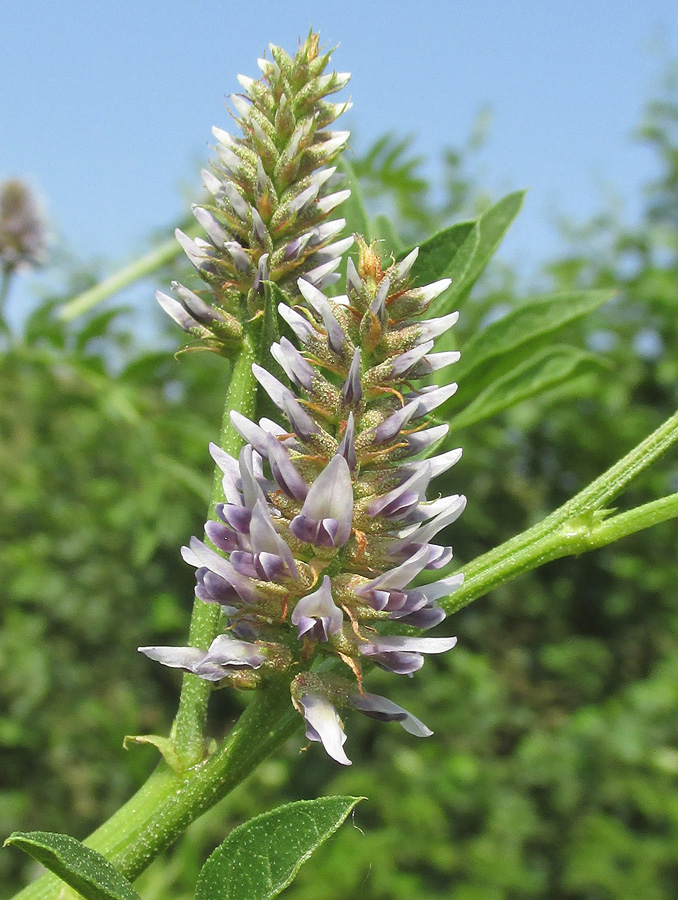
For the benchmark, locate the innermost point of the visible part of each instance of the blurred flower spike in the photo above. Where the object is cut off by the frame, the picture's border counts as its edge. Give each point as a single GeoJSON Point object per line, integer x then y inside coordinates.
{"type": "Point", "coordinates": [325, 523]}
{"type": "Point", "coordinates": [273, 195]}
{"type": "Point", "coordinates": [23, 230]}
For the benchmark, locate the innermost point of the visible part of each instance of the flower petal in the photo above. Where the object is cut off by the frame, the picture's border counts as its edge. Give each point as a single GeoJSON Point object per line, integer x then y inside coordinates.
{"type": "Point", "coordinates": [346, 447]}
{"type": "Point", "coordinates": [324, 725]}
{"type": "Point", "coordinates": [386, 710]}
{"type": "Point", "coordinates": [329, 503]}
{"type": "Point", "coordinates": [299, 324]}
{"type": "Point", "coordinates": [228, 651]}
{"type": "Point", "coordinates": [352, 391]}
{"type": "Point", "coordinates": [392, 643]}
{"type": "Point", "coordinates": [317, 613]}
{"type": "Point", "coordinates": [175, 657]}
{"type": "Point", "coordinates": [284, 471]}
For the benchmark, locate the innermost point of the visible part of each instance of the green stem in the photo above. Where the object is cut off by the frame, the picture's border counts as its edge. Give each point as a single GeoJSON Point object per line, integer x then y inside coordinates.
{"type": "Point", "coordinates": [135, 271]}
{"type": "Point", "coordinates": [574, 527]}
{"type": "Point", "coordinates": [622, 473]}
{"type": "Point", "coordinates": [5, 281]}
{"type": "Point", "coordinates": [168, 802]}
{"type": "Point", "coordinates": [189, 724]}
{"type": "Point", "coordinates": [614, 529]}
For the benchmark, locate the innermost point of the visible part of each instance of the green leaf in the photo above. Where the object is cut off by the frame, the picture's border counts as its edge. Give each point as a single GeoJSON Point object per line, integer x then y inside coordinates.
{"type": "Point", "coordinates": [274, 295]}
{"type": "Point", "coordinates": [147, 368]}
{"type": "Point", "coordinates": [260, 858]}
{"type": "Point", "coordinates": [437, 252]}
{"type": "Point", "coordinates": [533, 319]}
{"type": "Point", "coordinates": [548, 369]}
{"type": "Point", "coordinates": [448, 254]}
{"type": "Point", "coordinates": [97, 326]}
{"type": "Point", "coordinates": [353, 209]}
{"type": "Point", "coordinates": [492, 225]}
{"type": "Point", "coordinates": [82, 868]}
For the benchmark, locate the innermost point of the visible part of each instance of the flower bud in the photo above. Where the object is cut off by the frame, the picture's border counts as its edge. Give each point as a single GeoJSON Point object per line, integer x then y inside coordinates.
{"type": "Point", "coordinates": [271, 195]}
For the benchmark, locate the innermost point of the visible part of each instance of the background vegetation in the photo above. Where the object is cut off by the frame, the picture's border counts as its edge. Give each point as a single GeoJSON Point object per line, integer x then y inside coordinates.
{"type": "Point", "coordinates": [552, 773]}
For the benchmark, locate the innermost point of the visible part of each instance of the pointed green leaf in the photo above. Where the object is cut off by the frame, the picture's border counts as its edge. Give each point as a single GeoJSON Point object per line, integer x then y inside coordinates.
{"type": "Point", "coordinates": [493, 225]}
{"type": "Point", "coordinates": [353, 209]}
{"type": "Point", "coordinates": [548, 369]}
{"type": "Point", "coordinates": [447, 254]}
{"type": "Point", "coordinates": [97, 326]}
{"type": "Point", "coordinates": [82, 868]}
{"type": "Point", "coordinates": [437, 253]}
{"type": "Point", "coordinates": [260, 858]}
{"type": "Point", "coordinates": [533, 319]}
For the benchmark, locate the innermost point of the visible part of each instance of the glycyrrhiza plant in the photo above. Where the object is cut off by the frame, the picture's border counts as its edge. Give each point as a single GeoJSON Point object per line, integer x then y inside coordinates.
{"type": "Point", "coordinates": [323, 552]}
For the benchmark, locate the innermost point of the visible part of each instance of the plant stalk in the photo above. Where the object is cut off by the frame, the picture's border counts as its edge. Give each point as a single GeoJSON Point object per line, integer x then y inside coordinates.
{"type": "Point", "coordinates": [189, 724]}
{"type": "Point", "coordinates": [576, 526]}
{"type": "Point", "coordinates": [123, 278]}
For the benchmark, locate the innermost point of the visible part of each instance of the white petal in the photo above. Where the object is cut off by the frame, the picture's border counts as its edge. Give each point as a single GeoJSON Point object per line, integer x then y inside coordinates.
{"type": "Point", "coordinates": [175, 657]}
{"type": "Point", "coordinates": [325, 726]}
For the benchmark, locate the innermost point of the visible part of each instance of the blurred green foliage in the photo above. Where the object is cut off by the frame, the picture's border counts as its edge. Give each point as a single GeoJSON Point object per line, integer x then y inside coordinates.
{"type": "Point", "coordinates": [553, 769]}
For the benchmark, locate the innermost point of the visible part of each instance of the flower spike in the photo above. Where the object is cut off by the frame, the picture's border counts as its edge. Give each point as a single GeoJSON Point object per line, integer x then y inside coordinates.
{"type": "Point", "coordinates": [325, 532]}
{"type": "Point", "coordinates": [269, 217]}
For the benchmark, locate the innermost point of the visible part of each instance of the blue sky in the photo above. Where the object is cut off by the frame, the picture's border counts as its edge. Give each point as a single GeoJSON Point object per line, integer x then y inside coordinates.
{"type": "Point", "coordinates": [108, 106]}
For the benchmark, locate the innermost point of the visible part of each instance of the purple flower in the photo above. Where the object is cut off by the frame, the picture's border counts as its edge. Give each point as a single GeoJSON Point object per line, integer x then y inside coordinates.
{"type": "Point", "coordinates": [346, 446]}
{"type": "Point", "coordinates": [327, 513]}
{"type": "Point", "coordinates": [403, 655]}
{"type": "Point", "coordinates": [385, 710]}
{"type": "Point", "coordinates": [326, 529]}
{"type": "Point", "coordinates": [324, 725]}
{"type": "Point", "coordinates": [296, 368]}
{"type": "Point", "coordinates": [336, 340]}
{"type": "Point", "coordinates": [284, 471]}
{"type": "Point", "coordinates": [225, 653]}
{"type": "Point", "coordinates": [352, 392]}
{"type": "Point", "coordinates": [316, 615]}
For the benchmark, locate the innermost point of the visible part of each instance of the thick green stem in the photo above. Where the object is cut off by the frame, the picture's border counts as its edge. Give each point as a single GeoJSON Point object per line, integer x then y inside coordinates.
{"type": "Point", "coordinates": [189, 724]}
{"type": "Point", "coordinates": [576, 526]}
{"type": "Point", "coordinates": [123, 278]}
{"type": "Point", "coordinates": [168, 802]}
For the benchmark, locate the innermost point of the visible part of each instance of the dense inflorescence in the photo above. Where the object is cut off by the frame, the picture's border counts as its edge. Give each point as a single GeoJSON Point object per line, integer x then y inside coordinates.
{"type": "Point", "coordinates": [325, 523]}
{"type": "Point", "coordinates": [273, 193]}
{"type": "Point", "coordinates": [23, 231]}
